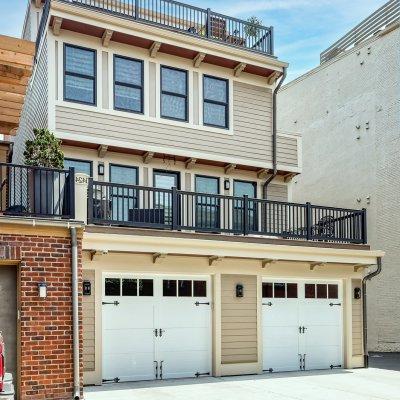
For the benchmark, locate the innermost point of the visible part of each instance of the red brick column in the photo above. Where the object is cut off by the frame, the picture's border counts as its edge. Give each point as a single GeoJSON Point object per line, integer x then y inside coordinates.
{"type": "Point", "coordinates": [45, 364]}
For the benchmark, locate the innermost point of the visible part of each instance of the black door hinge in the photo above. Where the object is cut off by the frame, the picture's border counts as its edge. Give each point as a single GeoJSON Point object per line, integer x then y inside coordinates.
{"type": "Point", "coordinates": [335, 304]}
{"type": "Point", "coordinates": [114, 303]}
{"type": "Point", "coordinates": [267, 304]}
{"type": "Point", "coordinates": [115, 380]}
{"type": "Point", "coordinates": [197, 374]}
{"type": "Point", "coordinates": [198, 303]}
{"type": "Point", "coordinates": [335, 366]}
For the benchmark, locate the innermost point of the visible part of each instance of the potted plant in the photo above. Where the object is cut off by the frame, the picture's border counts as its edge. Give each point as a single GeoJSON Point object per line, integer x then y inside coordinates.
{"type": "Point", "coordinates": [46, 186]}
{"type": "Point", "coordinates": [252, 28]}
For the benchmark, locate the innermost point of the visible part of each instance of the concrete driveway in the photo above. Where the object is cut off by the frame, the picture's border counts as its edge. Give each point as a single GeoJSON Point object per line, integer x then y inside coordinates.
{"type": "Point", "coordinates": [360, 384]}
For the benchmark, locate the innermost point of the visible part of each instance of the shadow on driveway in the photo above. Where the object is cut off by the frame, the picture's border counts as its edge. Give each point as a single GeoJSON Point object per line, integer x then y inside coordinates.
{"type": "Point", "coordinates": [389, 361]}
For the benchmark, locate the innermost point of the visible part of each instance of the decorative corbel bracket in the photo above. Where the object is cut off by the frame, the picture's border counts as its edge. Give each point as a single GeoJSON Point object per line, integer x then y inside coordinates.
{"type": "Point", "coordinates": [147, 157]}
{"type": "Point", "coordinates": [102, 150]}
{"type": "Point", "coordinates": [158, 257]}
{"type": "Point", "coordinates": [198, 59]}
{"type": "Point", "coordinates": [155, 47]}
{"type": "Point", "coordinates": [316, 264]}
{"type": "Point", "coordinates": [267, 262]}
{"type": "Point", "coordinates": [106, 38]}
{"type": "Point", "coordinates": [56, 27]}
{"type": "Point", "coordinates": [214, 259]}
{"type": "Point", "coordinates": [239, 69]}
{"type": "Point", "coordinates": [230, 168]}
{"type": "Point", "coordinates": [190, 163]}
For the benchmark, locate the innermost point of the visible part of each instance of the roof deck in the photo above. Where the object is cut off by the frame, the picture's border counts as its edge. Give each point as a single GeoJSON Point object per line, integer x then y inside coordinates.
{"type": "Point", "coordinates": [189, 20]}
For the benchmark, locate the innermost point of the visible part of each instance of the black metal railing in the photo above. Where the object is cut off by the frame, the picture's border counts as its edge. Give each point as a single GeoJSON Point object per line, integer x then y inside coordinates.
{"type": "Point", "coordinates": [139, 206]}
{"type": "Point", "coordinates": [195, 21]}
{"type": "Point", "coordinates": [36, 191]}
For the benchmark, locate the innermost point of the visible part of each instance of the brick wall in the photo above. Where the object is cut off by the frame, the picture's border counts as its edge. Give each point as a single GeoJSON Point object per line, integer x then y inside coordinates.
{"type": "Point", "coordinates": [46, 369]}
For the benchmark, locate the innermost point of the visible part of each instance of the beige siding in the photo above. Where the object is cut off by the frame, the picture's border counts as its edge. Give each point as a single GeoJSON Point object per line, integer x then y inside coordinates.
{"type": "Point", "coordinates": [35, 111]}
{"type": "Point", "coordinates": [88, 310]}
{"type": "Point", "coordinates": [277, 192]}
{"type": "Point", "coordinates": [357, 321]}
{"type": "Point", "coordinates": [238, 320]}
{"type": "Point", "coordinates": [251, 139]}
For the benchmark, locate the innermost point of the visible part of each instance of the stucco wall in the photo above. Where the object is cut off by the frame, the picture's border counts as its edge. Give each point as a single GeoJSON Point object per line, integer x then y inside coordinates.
{"type": "Point", "coordinates": [348, 112]}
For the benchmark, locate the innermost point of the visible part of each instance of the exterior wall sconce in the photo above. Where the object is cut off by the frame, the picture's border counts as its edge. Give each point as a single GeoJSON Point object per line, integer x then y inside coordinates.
{"type": "Point", "coordinates": [357, 293]}
{"type": "Point", "coordinates": [239, 290]}
{"type": "Point", "coordinates": [42, 288]}
{"type": "Point", "coordinates": [227, 184]}
{"type": "Point", "coordinates": [100, 169]}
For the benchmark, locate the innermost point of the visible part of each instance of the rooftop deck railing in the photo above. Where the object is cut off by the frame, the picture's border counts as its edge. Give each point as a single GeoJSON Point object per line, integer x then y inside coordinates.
{"type": "Point", "coordinates": [36, 191]}
{"type": "Point", "coordinates": [147, 207]}
{"type": "Point", "coordinates": [384, 16]}
{"type": "Point", "coordinates": [187, 19]}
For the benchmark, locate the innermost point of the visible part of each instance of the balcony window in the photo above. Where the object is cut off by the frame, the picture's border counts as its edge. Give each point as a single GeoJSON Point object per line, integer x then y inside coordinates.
{"type": "Point", "coordinates": [128, 84]}
{"type": "Point", "coordinates": [216, 102]}
{"type": "Point", "coordinates": [79, 75]}
{"type": "Point", "coordinates": [240, 189]}
{"type": "Point", "coordinates": [81, 166]}
{"type": "Point", "coordinates": [174, 94]}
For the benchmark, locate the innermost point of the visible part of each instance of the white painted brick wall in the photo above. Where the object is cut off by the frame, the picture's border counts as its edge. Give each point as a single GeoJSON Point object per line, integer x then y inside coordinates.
{"type": "Point", "coordinates": [326, 105]}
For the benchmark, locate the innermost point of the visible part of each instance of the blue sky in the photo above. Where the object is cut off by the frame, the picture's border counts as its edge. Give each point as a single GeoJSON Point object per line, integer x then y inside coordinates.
{"type": "Point", "coordinates": [303, 28]}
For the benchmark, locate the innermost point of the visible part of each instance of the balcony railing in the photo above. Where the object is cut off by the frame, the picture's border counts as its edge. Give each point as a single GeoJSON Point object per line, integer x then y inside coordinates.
{"type": "Point", "coordinates": [194, 21]}
{"type": "Point", "coordinates": [147, 207]}
{"type": "Point", "coordinates": [36, 191]}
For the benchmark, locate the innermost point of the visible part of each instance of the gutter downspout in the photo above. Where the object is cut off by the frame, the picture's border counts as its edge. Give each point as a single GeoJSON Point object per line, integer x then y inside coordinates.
{"type": "Point", "coordinates": [274, 134]}
{"type": "Point", "coordinates": [75, 314]}
{"type": "Point", "coordinates": [364, 292]}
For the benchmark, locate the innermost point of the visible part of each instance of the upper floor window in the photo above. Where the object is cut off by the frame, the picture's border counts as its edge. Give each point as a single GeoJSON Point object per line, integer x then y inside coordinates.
{"type": "Point", "coordinates": [174, 94]}
{"type": "Point", "coordinates": [79, 75]}
{"type": "Point", "coordinates": [128, 84]}
{"type": "Point", "coordinates": [216, 102]}
{"type": "Point", "coordinates": [82, 166]}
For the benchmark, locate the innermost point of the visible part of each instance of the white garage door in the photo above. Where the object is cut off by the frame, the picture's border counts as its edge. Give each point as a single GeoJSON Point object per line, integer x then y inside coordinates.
{"type": "Point", "coordinates": [302, 325]}
{"type": "Point", "coordinates": [155, 327]}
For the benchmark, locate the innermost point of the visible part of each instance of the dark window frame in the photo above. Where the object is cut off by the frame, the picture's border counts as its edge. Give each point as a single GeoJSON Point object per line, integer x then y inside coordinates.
{"type": "Point", "coordinates": [130, 85]}
{"type": "Point", "coordinates": [116, 196]}
{"type": "Point", "coordinates": [217, 204]}
{"type": "Point", "coordinates": [84, 161]}
{"type": "Point", "coordinates": [83, 76]}
{"type": "Point", "coordinates": [168, 172]}
{"type": "Point", "coordinates": [220, 103]}
{"type": "Point", "coordinates": [166, 92]}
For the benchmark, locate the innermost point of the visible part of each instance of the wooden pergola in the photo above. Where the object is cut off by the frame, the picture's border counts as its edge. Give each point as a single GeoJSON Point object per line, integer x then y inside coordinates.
{"type": "Point", "coordinates": [16, 63]}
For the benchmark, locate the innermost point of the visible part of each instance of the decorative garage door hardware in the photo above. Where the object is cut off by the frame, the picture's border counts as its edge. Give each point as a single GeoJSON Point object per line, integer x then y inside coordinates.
{"type": "Point", "coordinates": [115, 380]}
{"type": "Point", "coordinates": [335, 366]}
{"type": "Point", "coordinates": [198, 303]}
{"type": "Point", "coordinates": [114, 303]}
{"type": "Point", "coordinates": [267, 304]}
{"type": "Point", "coordinates": [198, 374]}
{"type": "Point", "coordinates": [302, 362]}
{"type": "Point", "coordinates": [302, 329]}
{"type": "Point", "coordinates": [158, 332]}
{"type": "Point", "coordinates": [335, 304]}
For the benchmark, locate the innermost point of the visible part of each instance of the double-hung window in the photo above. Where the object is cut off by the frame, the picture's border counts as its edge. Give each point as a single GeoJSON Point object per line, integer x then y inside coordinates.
{"type": "Point", "coordinates": [215, 102]}
{"type": "Point", "coordinates": [174, 94]}
{"type": "Point", "coordinates": [79, 74]}
{"type": "Point", "coordinates": [128, 84]}
{"type": "Point", "coordinates": [82, 166]}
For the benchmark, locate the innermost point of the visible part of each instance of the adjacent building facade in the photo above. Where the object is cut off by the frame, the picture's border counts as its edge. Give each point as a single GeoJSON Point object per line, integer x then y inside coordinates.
{"type": "Point", "coordinates": [350, 146]}
{"type": "Point", "coordinates": [187, 256]}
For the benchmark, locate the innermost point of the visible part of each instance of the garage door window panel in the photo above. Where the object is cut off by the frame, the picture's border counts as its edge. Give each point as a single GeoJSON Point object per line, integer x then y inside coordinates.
{"type": "Point", "coordinates": [279, 290]}
{"type": "Point", "coordinates": [322, 291]}
{"type": "Point", "coordinates": [333, 291]}
{"type": "Point", "coordinates": [185, 289]}
{"type": "Point", "coordinates": [309, 291]}
{"type": "Point", "coordinates": [129, 287]}
{"type": "Point", "coordinates": [199, 288]}
{"type": "Point", "coordinates": [146, 287]}
{"type": "Point", "coordinates": [291, 290]}
{"type": "Point", "coordinates": [113, 287]}
{"type": "Point", "coordinates": [169, 288]}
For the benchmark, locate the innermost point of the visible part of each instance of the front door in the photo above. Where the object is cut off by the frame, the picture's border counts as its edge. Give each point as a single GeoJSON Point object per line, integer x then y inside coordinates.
{"type": "Point", "coordinates": [302, 325]}
{"type": "Point", "coordinates": [240, 189]}
{"type": "Point", "coordinates": [155, 327]}
{"type": "Point", "coordinates": [207, 204]}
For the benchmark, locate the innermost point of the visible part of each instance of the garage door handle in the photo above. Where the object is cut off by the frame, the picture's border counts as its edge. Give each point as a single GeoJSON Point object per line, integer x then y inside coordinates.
{"type": "Point", "coordinates": [267, 304]}
{"type": "Point", "coordinates": [335, 304]}
{"type": "Point", "coordinates": [198, 303]}
{"type": "Point", "coordinates": [114, 303]}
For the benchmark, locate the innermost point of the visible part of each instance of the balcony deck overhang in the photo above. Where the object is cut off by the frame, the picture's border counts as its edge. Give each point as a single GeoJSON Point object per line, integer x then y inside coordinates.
{"type": "Point", "coordinates": [93, 22]}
